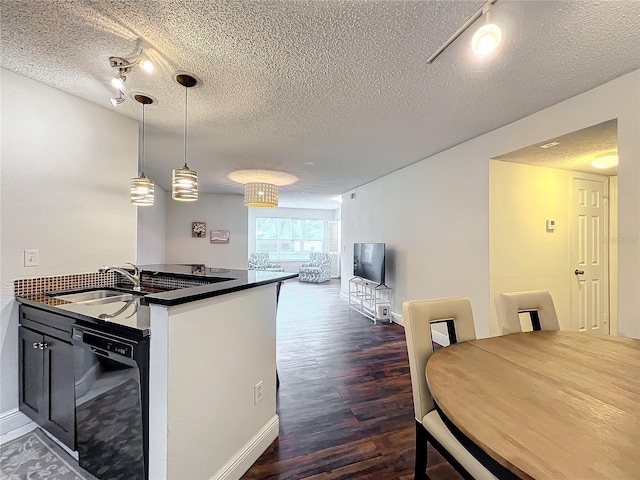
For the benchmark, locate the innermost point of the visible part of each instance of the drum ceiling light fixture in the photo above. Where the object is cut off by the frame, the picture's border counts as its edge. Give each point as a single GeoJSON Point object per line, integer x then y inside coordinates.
{"type": "Point", "coordinates": [261, 187]}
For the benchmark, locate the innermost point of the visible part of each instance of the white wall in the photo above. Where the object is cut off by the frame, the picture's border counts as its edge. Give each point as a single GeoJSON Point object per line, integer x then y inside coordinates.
{"type": "Point", "coordinates": [151, 230]}
{"type": "Point", "coordinates": [434, 215]}
{"type": "Point", "coordinates": [65, 192]}
{"type": "Point", "coordinates": [220, 212]}
{"type": "Point", "coordinates": [299, 213]}
{"type": "Point", "coordinates": [524, 256]}
{"type": "Point", "coordinates": [210, 421]}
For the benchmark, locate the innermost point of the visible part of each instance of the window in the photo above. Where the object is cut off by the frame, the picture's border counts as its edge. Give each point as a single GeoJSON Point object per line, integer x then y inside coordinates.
{"type": "Point", "coordinates": [289, 238]}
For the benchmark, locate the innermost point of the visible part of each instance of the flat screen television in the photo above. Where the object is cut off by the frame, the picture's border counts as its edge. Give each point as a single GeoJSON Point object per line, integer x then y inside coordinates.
{"type": "Point", "coordinates": [368, 261]}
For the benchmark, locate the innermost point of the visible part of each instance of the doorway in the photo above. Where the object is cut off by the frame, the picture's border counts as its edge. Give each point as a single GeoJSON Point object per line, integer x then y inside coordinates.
{"type": "Point", "coordinates": [534, 228]}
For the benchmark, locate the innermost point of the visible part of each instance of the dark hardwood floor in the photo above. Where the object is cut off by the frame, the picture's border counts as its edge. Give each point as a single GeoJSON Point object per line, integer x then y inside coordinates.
{"type": "Point", "coordinates": [345, 403]}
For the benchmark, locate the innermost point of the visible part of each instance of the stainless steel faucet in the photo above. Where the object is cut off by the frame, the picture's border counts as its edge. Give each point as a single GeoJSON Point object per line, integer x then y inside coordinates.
{"type": "Point", "coordinates": [135, 278]}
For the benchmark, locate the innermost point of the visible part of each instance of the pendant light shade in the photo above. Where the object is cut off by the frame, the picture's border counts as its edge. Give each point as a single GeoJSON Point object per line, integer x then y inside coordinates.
{"type": "Point", "coordinates": [141, 188]}
{"type": "Point", "coordinates": [142, 191]}
{"type": "Point", "coordinates": [184, 184]}
{"type": "Point", "coordinates": [184, 181]}
{"type": "Point", "coordinates": [261, 195]}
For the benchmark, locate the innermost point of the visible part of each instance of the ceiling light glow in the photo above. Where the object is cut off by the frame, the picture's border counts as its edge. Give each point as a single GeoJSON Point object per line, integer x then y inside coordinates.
{"type": "Point", "coordinates": [147, 66]}
{"type": "Point", "coordinates": [118, 82]}
{"type": "Point", "coordinates": [605, 161]}
{"type": "Point", "coordinates": [550, 144]}
{"type": "Point", "coordinates": [486, 39]}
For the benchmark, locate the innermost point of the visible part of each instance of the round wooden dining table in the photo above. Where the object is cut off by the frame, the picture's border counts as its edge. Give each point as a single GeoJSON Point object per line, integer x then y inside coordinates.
{"type": "Point", "coordinates": [545, 404]}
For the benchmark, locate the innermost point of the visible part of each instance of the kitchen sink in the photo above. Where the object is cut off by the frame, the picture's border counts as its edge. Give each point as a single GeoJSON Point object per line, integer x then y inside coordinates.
{"type": "Point", "coordinates": [96, 297]}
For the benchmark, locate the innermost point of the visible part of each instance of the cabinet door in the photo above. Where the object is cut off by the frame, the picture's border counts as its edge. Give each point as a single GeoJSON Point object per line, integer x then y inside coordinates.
{"type": "Point", "coordinates": [59, 389]}
{"type": "Point", "coordinates": [31, 375]}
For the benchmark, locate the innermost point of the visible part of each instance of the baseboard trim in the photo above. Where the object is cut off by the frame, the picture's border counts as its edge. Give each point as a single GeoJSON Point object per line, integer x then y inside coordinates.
{"type": "Point", "coordinates": [14, 423]}
{"type": "Point", "coordinates": [397, 318]}
{"type": "Point", "coordinates": [250, 452]}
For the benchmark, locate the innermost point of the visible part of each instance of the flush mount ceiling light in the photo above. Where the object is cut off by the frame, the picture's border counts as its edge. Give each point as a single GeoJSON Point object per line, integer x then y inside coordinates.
{"type": "Point", "coordinates": [184, 181]}
{"type": "Point", "coordinates": [142, 189]}
{"type": "Point", "coordinates": [123, 67]}
{"type": "Point", "coordinates": [605, 161]}
{"type": "Point", "coordinates": [484, 41]}
{"type": "Point", "coordinates": [550, 144]}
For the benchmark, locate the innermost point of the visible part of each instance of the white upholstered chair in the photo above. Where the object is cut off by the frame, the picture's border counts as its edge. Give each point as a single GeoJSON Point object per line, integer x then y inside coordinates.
{"type": "Point", "coordinates": [317, 269]}
{"type": "Point", "coordinates": [261, 261]}
{"type": "Point", "coordinates": [538, 304]}
{"type": "Point", "coordinates": [418, 316]}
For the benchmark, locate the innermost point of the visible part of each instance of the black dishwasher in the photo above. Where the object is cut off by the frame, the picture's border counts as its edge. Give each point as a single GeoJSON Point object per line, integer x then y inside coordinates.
{"type": "Point", "coordinates": [111, 391]}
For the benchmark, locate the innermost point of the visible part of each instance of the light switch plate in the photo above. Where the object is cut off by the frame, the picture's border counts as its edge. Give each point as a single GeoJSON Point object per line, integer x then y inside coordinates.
{"type": "Point", "coordinates": [31, 258]}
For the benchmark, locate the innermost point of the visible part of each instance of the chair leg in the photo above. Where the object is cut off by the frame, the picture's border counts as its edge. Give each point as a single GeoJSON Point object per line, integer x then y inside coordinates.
{"type": "Point", "coordinates": [421, 453]}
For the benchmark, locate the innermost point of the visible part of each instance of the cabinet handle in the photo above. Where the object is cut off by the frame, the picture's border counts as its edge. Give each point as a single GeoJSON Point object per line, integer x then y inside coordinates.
{"type": "Point", "coordinates": [44, 345]}
{"type": "Point", "coordinates": [35, 344]}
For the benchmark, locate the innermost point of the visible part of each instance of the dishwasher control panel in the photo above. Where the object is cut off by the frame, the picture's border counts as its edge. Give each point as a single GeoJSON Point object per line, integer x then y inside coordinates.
{"type": "Point", "coordinates": [103, 342]}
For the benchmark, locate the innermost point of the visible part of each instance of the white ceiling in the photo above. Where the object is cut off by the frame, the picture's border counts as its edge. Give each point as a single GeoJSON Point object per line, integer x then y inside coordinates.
{"type": "Point", "coordinates": [337, 93]}
{"type": "Point", "coordinates": [573, 151]}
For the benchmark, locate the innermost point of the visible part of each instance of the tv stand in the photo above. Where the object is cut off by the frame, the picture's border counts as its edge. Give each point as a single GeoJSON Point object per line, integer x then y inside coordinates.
{"type": "Point", "coordinates": [369, 298]}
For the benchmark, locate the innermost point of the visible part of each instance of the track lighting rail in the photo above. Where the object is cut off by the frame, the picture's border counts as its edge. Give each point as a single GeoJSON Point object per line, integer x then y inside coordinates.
{"type": "Point", "coordinates": [481, 11]}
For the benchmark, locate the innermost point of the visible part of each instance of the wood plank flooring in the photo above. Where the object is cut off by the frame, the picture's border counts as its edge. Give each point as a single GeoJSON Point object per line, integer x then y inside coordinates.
{"type": "Point", "coordinates": [345, 403]}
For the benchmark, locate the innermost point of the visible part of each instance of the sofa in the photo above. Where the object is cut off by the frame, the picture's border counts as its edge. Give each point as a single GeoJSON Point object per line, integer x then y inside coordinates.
{"type": "Point", "coordinates": [260, 261]}
{"type": "Point", "coordinates": [317, 269]}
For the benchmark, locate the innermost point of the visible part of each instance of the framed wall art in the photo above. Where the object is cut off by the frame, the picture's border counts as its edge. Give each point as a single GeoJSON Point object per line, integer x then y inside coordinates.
{"type": "Point", "coordinates": [219, 236]}
{"type": "Point", "coordinates": [199, 229]}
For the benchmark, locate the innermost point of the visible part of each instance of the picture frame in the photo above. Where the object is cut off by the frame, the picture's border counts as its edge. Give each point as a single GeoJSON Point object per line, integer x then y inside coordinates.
{"type": "Point", "coordinates": [219, 236]}
{"type": "Point", "coordinates": [199, 229]}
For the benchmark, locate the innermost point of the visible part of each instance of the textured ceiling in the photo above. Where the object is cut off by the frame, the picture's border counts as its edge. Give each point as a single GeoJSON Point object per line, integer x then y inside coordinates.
{"type": "Point", "coordinates": [337, 93]}
{"type": "Point", "coordinates": [574, 151]}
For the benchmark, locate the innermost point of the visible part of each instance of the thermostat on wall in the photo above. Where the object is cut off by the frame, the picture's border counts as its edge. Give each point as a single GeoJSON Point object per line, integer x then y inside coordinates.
{"type": "Point", "coordinates": [551, 225]}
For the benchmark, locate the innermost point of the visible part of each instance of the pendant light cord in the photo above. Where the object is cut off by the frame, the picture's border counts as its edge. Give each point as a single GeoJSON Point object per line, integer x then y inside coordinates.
{"type": "Point", "coordinates": [186, 106]}
{"type": "Point", "coordinates": [142, 160]}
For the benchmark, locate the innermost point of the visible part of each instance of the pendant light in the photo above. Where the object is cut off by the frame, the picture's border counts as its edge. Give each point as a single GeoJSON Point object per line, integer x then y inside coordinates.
{"type": "Point", "coordinates": [184, 181]}
{"type": "Point", "coordinates": [142, 189]}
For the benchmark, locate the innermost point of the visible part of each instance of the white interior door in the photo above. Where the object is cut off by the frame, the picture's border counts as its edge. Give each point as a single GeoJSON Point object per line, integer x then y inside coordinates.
{"type": "Point", "coordinates": [590, 254]}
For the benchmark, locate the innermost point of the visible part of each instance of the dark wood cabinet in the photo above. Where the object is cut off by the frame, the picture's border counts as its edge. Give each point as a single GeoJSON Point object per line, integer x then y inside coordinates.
{"type": "Point", "coordinates": [47, 379]}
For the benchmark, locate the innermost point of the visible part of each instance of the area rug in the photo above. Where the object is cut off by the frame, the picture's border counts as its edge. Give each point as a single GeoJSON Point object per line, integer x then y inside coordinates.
{"type": "Point", "coordinates": [35, 456]}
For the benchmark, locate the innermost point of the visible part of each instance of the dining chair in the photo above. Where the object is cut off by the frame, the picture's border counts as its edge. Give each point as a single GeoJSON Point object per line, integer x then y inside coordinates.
{"type": "Point", "coordinates": [538, 304]}
{"type": "Point", "coordinates": [419, 315]}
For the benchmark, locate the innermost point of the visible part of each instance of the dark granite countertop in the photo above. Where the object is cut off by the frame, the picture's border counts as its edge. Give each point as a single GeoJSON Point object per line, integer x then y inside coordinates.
{"type": "Point", "coordinates": [222, 280]}
{"type": "Point", "coordinates": [134, 315]}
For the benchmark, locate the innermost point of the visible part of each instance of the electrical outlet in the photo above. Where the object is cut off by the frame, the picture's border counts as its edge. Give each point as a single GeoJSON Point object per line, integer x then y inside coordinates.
{"type": "Point", "coordinates": [257, 393]}
{"type": "Point", "coordinates": [31, 258]}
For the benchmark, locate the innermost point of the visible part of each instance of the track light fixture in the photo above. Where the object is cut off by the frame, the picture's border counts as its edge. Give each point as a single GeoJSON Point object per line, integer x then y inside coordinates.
{"type": "Point", "coordinates": [488, 36]}
{"type": "Point", "coordinates": [115, 101]}
{"type": "Point", "coordinates": [484, 41]}
{"type": "Point", "coordinates": [123, 68]}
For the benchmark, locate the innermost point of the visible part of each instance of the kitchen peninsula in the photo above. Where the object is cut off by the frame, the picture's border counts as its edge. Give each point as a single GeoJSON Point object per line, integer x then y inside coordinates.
{"type": "Point", "coordinates": [212, 348]}
{"type": "Point", "coordinates": [211, 370]}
